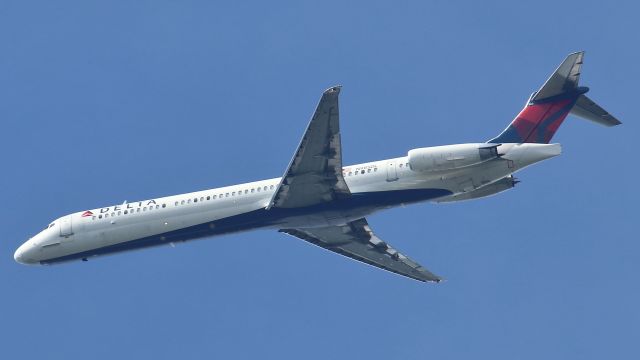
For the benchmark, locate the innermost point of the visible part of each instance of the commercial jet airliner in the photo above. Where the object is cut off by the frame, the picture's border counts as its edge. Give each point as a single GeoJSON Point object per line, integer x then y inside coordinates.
{"type": "Point", "coordinates": [320, 201]}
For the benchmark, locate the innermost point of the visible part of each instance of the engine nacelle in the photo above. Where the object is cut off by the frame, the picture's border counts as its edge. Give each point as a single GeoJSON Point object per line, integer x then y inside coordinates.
{"type": "Point", "coordinates": [447, 157]}
{"type": "Point", "coordinates": [499, 186]}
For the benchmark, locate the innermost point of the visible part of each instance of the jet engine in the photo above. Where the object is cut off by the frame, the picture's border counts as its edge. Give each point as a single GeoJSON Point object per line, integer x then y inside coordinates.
{"type": "Point", "coordinates": [438, 158]}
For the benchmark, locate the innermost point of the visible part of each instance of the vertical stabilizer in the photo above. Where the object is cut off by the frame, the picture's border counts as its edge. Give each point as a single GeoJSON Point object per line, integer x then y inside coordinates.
{"type": "Point", "coordinates": [549, 106]}
{"type": "Point", "coordinates": [563, 81]}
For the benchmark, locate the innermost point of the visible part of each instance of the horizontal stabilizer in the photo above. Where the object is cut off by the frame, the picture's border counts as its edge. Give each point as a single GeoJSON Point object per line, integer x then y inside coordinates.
{"type": "Point", "coordinates": [589, 110]}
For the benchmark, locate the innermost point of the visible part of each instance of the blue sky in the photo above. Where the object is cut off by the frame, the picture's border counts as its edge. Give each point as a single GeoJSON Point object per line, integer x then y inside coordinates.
{"type": "Point", "coordinates": [103, 102]}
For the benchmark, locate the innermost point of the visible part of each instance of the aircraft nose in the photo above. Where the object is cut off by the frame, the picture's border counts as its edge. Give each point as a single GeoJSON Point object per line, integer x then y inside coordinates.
{"type": "Point", "coordinates": [22, 255]}
{"type": "Point", "coordinates": [17, 256]}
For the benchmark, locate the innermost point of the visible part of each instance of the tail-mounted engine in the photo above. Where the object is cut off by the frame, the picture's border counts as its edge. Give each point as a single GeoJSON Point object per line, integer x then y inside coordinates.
{"type": "Point", "coordinates": [448, 157]}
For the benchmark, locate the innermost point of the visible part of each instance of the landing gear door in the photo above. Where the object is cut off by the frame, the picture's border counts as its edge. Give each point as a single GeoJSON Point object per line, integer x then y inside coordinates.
{"type": "Point", "coordinates": [66, 229]}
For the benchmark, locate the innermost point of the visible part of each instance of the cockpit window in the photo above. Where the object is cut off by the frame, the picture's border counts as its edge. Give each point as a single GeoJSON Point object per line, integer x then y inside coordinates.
{"type": "Point", "coordinates": [50, 226]}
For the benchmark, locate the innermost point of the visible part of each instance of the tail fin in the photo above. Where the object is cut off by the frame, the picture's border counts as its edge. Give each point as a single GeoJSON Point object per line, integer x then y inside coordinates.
{"type": "Point", "coordinates": [548, 107]}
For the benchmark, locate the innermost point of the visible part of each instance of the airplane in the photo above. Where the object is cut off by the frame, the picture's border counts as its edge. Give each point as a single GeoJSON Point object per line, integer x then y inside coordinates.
{"type": "Point", "coordinates": [320, 201]}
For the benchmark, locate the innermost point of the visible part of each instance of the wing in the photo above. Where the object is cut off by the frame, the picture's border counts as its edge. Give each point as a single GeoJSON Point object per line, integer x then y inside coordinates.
{"type": "Point", "coordinates": [357, 241]}
{"type": "Point", "coordinates": [314, 174]}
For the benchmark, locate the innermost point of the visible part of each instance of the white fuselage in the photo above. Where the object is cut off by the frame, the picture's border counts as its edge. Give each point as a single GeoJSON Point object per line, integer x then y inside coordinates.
{"type": "Point", "coordinates": [374, 186]}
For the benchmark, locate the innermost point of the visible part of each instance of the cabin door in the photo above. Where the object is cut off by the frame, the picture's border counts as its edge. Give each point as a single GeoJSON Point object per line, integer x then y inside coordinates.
{"type": "Point", "coordinates": [392, 171]}
{"type": "Point", "coordinates": [66, 229]}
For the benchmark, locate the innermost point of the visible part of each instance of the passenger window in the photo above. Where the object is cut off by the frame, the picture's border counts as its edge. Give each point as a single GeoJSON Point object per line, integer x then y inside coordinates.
{"type": "Point", "coordinates": [401, 165]}
{"type": "Point", "coordinates": [126, 212]}
{"type": "Point", "coordinates": [214, 196]}
{"type": "Point", "coordinates": [226, 195]}
{"type": "Point", "coordinates": [350, 173]}
{"type": "Point", "coordinates": [138, 210]}
{"type": "Point", "coordinates": [182, 202]}
{"type": "Point", "coordinates": [144, 208]}
{"type": "Point", "coordinates": [188, 201]}
{"type": "Point", "coordinates": [253, 190]}
{"type": "Point", "coordinates": [369, 170]}
{"type": "Point", "coordinates": [375, 169]}
{"type": "Point", "coordinates": [106, 215]}
{"type": "Point", "coordinates": [202, 199]}
{"type": "Point", "coordinates": [233, 193]}
{"type": "Point", "coordinates": [100, 216]}
{"type": "Point", "coordinates": [158, 207]}
{"type": "Point", "coordinates": [362, 172]}
{"type": "Point", "coordinates": [271, 187]}
{"type": "Point", "coordinates": [164, 206]}
{"type": "Point", "coordinates": [246, 191]}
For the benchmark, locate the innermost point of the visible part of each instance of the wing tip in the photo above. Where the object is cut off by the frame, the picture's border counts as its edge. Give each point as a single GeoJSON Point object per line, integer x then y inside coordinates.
{"type": "Point", "coordinates": [434, 279]}
{"type": "Point", "coordinates": [426, 277]}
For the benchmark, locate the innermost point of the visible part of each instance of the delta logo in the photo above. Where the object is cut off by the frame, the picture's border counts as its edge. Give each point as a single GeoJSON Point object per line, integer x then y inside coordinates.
{"type": "Point", "coordinates": [87, 213]}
